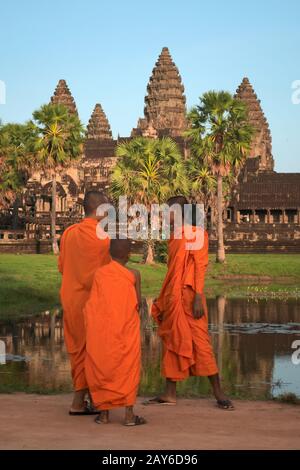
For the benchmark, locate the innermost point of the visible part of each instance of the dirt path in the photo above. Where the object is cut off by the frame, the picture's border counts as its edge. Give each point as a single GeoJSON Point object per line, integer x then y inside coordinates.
{"type": "Point", "coordinates": [42, 422]}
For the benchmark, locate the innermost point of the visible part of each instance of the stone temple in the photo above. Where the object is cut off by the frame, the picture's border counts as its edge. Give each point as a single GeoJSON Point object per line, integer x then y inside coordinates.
{"type": "Point", "coordinates": [262, 216]}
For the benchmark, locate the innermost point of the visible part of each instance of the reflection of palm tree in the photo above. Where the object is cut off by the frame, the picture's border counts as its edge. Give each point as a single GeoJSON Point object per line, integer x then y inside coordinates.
{"type": "Point", "coordinates": [15, 339]}
{"type": "Point", "coordinates": [221, 303]}
{"type": "Point", "coordinates": [53, 315]}
{"type": "Point", "coordinates": [151, 379]}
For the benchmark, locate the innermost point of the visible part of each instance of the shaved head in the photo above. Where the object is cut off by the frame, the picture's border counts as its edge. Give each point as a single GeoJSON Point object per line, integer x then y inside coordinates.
{"type": "Point", "coordinates": [181, 200]}
{"type": "Point", "coordinates": [92, 200]}
{"type": "Point", "coordinates": [120, 249]}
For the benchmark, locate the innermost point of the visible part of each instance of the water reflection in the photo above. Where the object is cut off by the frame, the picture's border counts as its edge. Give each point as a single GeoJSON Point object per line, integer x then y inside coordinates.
{"type": "Point", "coordinates": [252, 340]}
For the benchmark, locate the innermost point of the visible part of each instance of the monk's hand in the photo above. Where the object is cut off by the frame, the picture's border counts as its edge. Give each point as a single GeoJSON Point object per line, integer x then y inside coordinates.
{"type": "Point", "coordinates": [198, 307]}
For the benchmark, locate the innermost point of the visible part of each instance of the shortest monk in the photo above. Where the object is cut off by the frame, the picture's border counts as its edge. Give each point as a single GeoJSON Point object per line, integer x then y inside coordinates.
{"type": "Point", "coordinates": [113, 341]}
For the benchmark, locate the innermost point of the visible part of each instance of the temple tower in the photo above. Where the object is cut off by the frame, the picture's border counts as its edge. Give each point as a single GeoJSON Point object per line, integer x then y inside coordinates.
{"type": "Point", "coordinates": [62, 95]}
{"type": "Point", "coordinates": [165, 102]}
{"type": "Point", "coordinates": [262, 141]}
{"type": "Point", "coordinates": [98, 126]}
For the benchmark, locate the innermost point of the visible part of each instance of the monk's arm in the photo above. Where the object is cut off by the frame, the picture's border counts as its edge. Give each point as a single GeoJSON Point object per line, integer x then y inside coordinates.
{"type": "Point", "coordinates": [200, 262]}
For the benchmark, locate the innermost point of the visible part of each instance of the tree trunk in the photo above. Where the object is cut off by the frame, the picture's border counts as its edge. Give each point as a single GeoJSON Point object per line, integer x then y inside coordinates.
{"type": "Point", "coordinates": [212, 216]}
{"type": "Point", "coordinates": [53, 218]}
{"type": "Point", "coordinates": [149, 252]}
{"type": "Point", "coordinates": [15, 213]}
{"type": "Point", "coordinates": [220, 233]}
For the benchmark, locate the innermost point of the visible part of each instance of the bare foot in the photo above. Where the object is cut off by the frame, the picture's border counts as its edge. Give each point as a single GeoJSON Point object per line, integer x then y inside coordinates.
{"type": "Point", "coordinates": [82, 411]}
{"type": "Point", "coordinates": [160, 400]}
{"type": "Point", "coordinates": [135, 421]}
{"type": "Point", "coordinates": [225, 404]}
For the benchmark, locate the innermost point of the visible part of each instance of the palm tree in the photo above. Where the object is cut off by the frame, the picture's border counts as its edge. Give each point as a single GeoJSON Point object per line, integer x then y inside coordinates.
{"type": "Point", "coordinates": [15, 162]}
{"type": "Point", "coordinates": [202, 182]}
{"type": "Point", "coordinates": [220, 138]}
{"type": "Point", "coordinates": [148, 171]}
{"type": "Point", "coordinates": [58, 142]}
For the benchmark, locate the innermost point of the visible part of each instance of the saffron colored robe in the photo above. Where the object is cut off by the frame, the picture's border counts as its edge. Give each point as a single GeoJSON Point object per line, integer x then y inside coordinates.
{"type": "Point", "coordinates": [187, 348]}
{"type": "Point", "coordinates": [113, 358]}
{"type": "Point", "coordinates": [81, 254]}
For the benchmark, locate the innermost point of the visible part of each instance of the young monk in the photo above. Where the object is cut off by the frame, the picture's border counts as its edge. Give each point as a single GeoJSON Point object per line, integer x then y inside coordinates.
{"type": "Point", "coordinates": [113, 358]}
{"type": "Point", "coordinates": [181, 313]}
{"type": "Point", "coordinates": [81, 254]}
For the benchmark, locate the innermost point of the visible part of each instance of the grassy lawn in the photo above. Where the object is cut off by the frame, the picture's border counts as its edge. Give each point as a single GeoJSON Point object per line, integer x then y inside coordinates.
{"type": "Point", "coordinates": [30, 283]}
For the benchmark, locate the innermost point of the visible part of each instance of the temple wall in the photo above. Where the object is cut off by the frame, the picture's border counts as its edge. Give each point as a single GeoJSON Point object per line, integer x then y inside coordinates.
{"type": "Point", "coordinates": [25, 246]}
{"type": "Point", "coordinates": [260, 238]}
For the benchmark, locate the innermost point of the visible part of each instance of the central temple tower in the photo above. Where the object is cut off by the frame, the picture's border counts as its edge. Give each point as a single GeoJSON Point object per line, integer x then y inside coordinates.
{"type": "Point", "coordinates": [165, 102]}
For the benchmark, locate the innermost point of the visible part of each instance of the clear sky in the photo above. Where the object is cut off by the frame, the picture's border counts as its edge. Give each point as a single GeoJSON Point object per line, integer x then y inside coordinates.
{"type": "Point", "coordinates": [106, 51]}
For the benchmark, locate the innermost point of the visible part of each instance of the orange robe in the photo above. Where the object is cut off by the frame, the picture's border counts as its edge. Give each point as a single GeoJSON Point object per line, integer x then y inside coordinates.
{"type": "Point", "coordinates": [81, 254]}
{"type": "Point", "coordinates": [113, 357]}
{"type": "Point", "coordinates": [187, 348]}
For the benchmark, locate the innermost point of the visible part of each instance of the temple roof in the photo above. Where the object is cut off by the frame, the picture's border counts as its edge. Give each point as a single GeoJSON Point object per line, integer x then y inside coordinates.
{"type": "Point", "coordinates": [62, 95]}
{"type": "Point", "coordinates": [98, 126]}
{"type": "Point", "coordinates": [165, 102]}
{"type": "Point", "coordinates": [270, 190]}
{"type": "Point", "coordinates": [95, 149]}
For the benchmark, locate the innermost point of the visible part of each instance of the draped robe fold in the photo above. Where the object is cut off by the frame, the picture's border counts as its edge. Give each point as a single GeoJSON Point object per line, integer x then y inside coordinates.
{"type": "Point", "coordinates": [81, 254]}
{"type": "Point", "coordinates": [187, 348]}
{"type": "Point", "coordinates": [113, 356]}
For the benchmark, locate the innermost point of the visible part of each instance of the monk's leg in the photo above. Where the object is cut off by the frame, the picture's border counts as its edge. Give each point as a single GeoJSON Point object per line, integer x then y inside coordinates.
{"type": "Point", "coordinates": [103, 417]}
{"type": "Point", "coordinates": [170, 393]}
{"type": "Point", "coordinates": [78, 403]}
{"type": "Point", "coordinates": [131, 419]}
{"type": "Point", "coordinates": [216, 386]}
{"type": "Point", "coordinates": [129, 414]}
{"type": "Point", "coordinates": [222, 401]}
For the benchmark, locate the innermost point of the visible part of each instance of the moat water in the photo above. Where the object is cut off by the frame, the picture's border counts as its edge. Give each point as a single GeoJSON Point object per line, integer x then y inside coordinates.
{"type": "Point", "coordinates": [253, 341]}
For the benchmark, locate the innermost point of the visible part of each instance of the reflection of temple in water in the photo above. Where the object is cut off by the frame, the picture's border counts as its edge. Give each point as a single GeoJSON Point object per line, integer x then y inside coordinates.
{"type": "Point", "coordinates": [246, 357]}
{"type": "Point", "coordinates": [249, 356]}
{"type": "Point", "coordinates": [40, 341]}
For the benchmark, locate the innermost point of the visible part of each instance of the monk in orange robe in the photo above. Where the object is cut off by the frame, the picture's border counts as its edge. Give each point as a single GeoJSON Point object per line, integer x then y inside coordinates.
{"type": "Point", "coordinates": [82, 252]}
{"type": "Point", "coordinates": [181, 313]}
{"type": "Point", "coordinates": [113, 358]}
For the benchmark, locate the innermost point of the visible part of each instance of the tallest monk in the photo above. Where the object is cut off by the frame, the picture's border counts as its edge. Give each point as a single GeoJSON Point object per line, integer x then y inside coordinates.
{"type": "Point", "coordinates": [82, 252]}
{"type": "Point", "coordinates": [181, 310]}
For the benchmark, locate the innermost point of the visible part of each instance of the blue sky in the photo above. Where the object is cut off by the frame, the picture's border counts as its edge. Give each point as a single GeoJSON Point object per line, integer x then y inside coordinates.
{"type": "Point", "coordinates": [106, 51]}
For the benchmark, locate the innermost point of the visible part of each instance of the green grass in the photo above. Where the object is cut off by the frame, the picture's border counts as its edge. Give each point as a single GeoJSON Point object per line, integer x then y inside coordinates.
{"type": "Point", "coordinates": [30, 283]}
{"type": "Point", "coordinates": [152, 276]}
{"type": "Point", "coordinates": [273, 265]}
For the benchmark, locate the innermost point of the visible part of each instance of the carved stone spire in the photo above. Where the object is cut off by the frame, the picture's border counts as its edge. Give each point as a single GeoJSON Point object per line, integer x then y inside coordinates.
{"type": "Point", "coordinates": [165, 103]}
{"type": "Point", "coordinates": [98, 127]}
{"type": "Point", "coordinates": [62, 95]}
{"type": "Point", "coordinates": [262, 141]}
